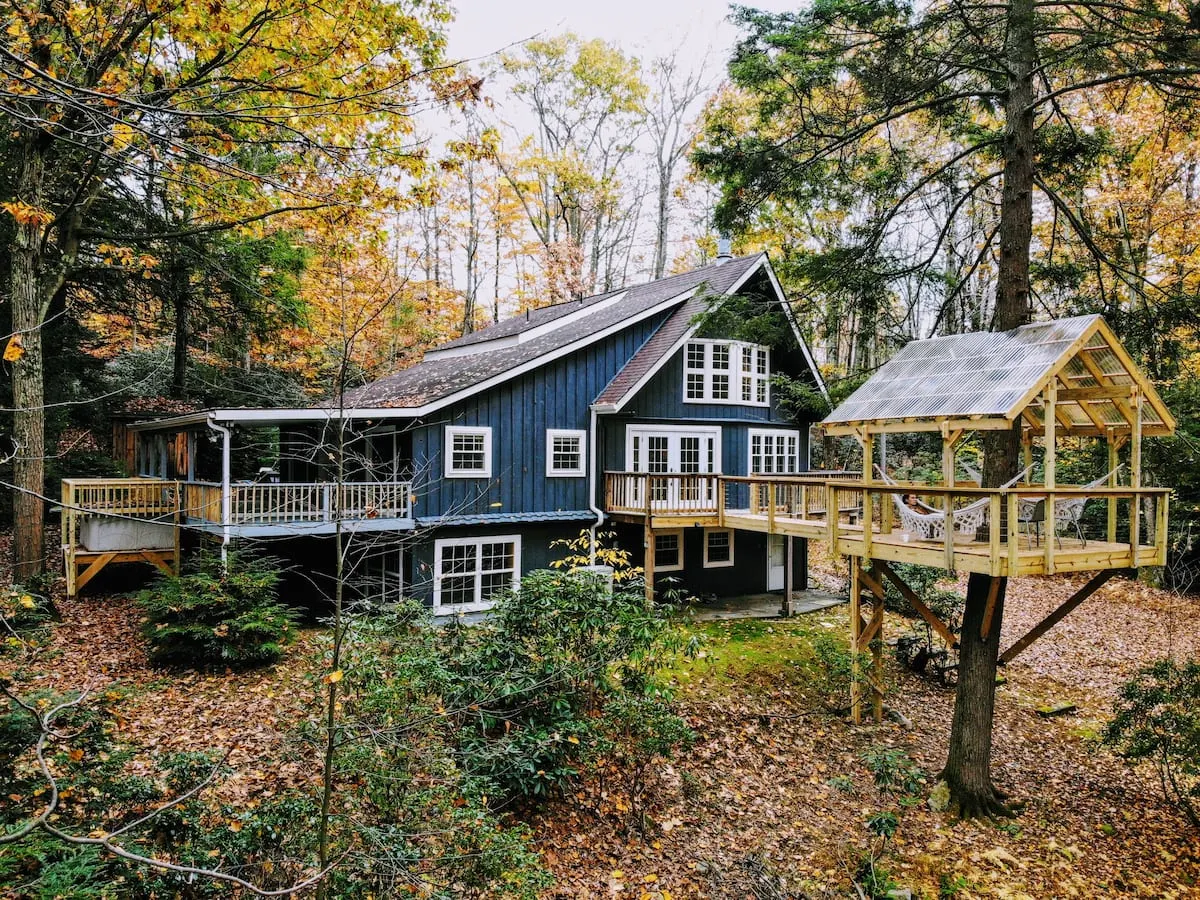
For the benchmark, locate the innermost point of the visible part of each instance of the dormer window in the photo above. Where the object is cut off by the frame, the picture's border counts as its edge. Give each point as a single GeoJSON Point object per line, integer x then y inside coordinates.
{"type": "Point", "coordinates": [726, 372]}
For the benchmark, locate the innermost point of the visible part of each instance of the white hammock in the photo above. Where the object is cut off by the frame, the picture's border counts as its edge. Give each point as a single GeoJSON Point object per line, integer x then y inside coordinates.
{"type": "Point", "coordinates": [930, 524]}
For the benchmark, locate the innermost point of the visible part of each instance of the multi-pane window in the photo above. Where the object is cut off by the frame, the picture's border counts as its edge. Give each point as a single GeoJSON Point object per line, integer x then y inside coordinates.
{"type": "Point", "coordinates": [725, 372]}
{"type": "Point", "coordinates": [565, 456]}
{"type": "Point", "coordinates": [774, 452]}
{"type": "Point", "coordinates": [668, 551]}
{"type": "Point", "coordinates": [468, 452]}
{"type": "Point", "coordinates": [470, 573]}
{"type": "Point", "coordinates": [718, 547]}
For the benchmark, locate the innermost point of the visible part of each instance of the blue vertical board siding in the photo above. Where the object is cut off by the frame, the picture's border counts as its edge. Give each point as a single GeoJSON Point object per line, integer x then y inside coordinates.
{"type": "Point", "coordinates": [556, 395]}
{"type": "Point", "coordinates": [661, 401]}
{"type": "Point", "coordinates": [537, 551]}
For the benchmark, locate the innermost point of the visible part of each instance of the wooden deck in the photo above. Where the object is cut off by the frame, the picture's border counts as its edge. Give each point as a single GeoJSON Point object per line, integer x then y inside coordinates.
{"type": "Point", "coordinates": [123, 520]}
{"type": "Point", "coordinates": [865, 524]}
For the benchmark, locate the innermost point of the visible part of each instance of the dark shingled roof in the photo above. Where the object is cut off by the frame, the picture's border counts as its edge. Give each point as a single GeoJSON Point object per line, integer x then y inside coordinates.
{"type": "Point", "coordinates": [652, 351]}
{"type": "Point", "coordinates": [532, 319]}
{"type": "Point", "coordinates": [436, 379]}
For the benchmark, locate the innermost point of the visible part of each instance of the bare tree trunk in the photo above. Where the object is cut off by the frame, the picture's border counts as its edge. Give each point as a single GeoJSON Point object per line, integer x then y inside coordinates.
{"type": "Point", "coordinates": [968, 763]}
{"type": "Point", "coordinates": [662, 222]}
{"type": "Point", "coordinates": [29, 417]}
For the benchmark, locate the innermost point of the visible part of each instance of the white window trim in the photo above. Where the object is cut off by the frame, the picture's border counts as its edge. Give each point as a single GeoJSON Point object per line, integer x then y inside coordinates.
{"type": "Point", "coordinates": [770, 432]}
{"type": "Point", "coordinates": [581, 436]}
{"type": "Point", "coordinates": [478, 605]}
{"type": "Point", "coordinates": [722, 563]}
{"type": "Point", "coordinates": [451, 431]}
{"type": "Point", "coordinates": [678, 532]}
{"type": "Point", "coordinates": [734, 372]}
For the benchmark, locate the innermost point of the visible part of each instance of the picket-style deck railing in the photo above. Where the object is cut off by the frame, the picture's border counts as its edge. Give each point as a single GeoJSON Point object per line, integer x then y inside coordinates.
{"type": "Point", "coordinates": [307, 502]}
{"type": "Point", "coordinates": [1028, 537]}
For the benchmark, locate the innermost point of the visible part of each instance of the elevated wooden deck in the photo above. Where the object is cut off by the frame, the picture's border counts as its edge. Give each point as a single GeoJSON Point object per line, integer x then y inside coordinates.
{"type": "Point", "coordinates": [121, 520]}
{"type": "Point", "coordinates": [865, 521]}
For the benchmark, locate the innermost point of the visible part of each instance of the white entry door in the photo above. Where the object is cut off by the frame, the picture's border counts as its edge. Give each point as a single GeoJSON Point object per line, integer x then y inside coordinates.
{"type": "Point", "coordinates": [671, 450]}
{"type": "Point", "coordinates": [776, 562]}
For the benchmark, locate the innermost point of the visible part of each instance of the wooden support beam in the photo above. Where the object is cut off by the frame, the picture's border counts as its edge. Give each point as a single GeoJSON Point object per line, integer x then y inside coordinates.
{"type": "Point", "coordinates": [1117, 392]}
{"type": "Point", "coordinates": [648, 563]}
{"type": "Point", "coordinates": [875, 639]}
{"type": "Point", "coordinates": [93, 570]}
{"type": "Point", "coordinates": [1097, 582]}
{"type": "Point", "coordinates": [856, 630]}
{"type": "Point", "coordinates": [1050, 475]}
{"type": "Point", "coordinates": [923, 611]}
{"type": "Point", "coordinates": [788, 562]}
{"type": "Point", "coordinates": [159, 559]}
{"type": "Point", "coordinates": [870, 637]}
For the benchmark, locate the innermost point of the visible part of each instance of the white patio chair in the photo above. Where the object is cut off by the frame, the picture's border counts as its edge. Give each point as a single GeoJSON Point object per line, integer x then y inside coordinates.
{"type": "Point", "coordinates": [1068, 512]}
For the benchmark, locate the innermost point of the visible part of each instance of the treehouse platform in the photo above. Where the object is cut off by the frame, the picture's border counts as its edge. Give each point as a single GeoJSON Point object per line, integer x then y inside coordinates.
{"type": "Point", "coordinates": [1069, 378]}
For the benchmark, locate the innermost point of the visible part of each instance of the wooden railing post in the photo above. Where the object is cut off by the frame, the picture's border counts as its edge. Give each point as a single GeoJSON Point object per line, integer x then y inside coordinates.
{"type": "Point", "coordinates": [1014, 535]}
{"type": "Point", "coordinates": [994, 524]}
{"type": "Point", "coordinates": [868, 519]}
{"type": "Point", "coordinates": [1160, 528]}
{"type": "Point", "coordinates": [948, 532]}
{"type": "Point", "coordinates": [831, 516]}
{"type": "Point", "coordinates": [1051, 531]}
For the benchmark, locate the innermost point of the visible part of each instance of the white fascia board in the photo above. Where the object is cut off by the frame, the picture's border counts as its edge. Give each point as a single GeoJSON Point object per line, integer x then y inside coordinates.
{"type": "Point", "coordinates": [500, 343]}
{"type": "Point", "coordinates": [269, 416]}
{"type": "Point", "coordinates": [322, 414]}
{"type": "Point", "coordinates": [791, 317]}
{"type": "Point", "coordinates": [550, 356]}
{"type": "Point", "coordinates": [529, 334]}
{"type": "Point", "coordinates": [609, 408]}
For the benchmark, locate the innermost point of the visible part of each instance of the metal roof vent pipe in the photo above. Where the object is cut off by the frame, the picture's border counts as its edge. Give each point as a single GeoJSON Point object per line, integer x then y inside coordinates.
{"type": "Point", "coordinates": [724, 249]}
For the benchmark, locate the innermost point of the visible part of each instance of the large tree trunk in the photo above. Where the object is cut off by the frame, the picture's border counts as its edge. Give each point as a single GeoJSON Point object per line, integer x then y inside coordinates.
{"type": "Point", "coordinates": [180, 284]}
{"type": "Point", "coordinates": [29, 416]}
{"type": "Point", "coordinates": [968, 763]}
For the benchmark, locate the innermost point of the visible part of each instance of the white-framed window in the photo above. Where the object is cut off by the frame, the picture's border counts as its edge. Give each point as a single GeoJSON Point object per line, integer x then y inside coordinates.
{"type": "Point", "coordinates": [668, 550]}
{"type": "Point", "coordinates": [726, 372]}
{"type": "Point", "coordinates": [468, 451]}
{"type": "Point", "coordinates": [718, 547]}
{"type": "Point", "coordinates": [566, 456]}
{"type": "Point", "coordinates": [774, 452]}
{"type": "Point", "coordinates": [469, 573]}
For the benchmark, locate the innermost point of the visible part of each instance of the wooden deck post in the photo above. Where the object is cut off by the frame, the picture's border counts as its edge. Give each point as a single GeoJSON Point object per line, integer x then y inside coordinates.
{"type": "Point", "coordinates": [788, 562]}
{"type": "Point", "coordinates": [856, 633]}
{"type": "Point", "coordinates": [648, 563]}
{"type": "Point", "coordinates": [1051, 401]}
{"type": "Point", "coordinates": [1135, 478]}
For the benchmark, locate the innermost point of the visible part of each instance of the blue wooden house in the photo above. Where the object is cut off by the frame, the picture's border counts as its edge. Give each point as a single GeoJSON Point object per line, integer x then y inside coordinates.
{"type": "Point", "coordinates": [616, 411]}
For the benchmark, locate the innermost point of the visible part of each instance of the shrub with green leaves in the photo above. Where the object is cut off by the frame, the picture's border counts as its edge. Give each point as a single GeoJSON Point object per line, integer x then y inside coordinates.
{"type": "Point", "coordinates": [539, 674]}
{"type": "Point", "coordinates": [216, 614]}
{"type": "Point", "coordinates": [1157, 720]}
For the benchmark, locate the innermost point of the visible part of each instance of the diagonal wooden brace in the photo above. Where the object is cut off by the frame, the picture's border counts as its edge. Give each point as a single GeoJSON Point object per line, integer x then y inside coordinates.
{"type": "Point", "coordinates": [924, 611]}
{"type": "Point", "coordinates": [1098, 581]}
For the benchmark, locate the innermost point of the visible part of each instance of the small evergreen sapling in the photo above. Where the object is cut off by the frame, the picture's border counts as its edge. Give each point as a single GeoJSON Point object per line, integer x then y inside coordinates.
{"type": "Point", "coordinates": [218, 615]}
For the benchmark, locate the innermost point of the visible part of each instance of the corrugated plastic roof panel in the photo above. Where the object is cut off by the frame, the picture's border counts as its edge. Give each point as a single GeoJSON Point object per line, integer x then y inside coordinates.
{"type": "Point", "coordinates": [978, 374]}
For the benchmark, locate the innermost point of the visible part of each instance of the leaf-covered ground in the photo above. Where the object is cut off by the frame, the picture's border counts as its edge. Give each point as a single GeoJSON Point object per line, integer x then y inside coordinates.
{"type": "Point", "coordinates": [750, 811]}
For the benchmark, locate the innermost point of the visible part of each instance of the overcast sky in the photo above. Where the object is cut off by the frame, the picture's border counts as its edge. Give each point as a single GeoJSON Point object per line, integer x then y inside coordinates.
{"type": "Point", "coordinates": [648, 28]}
